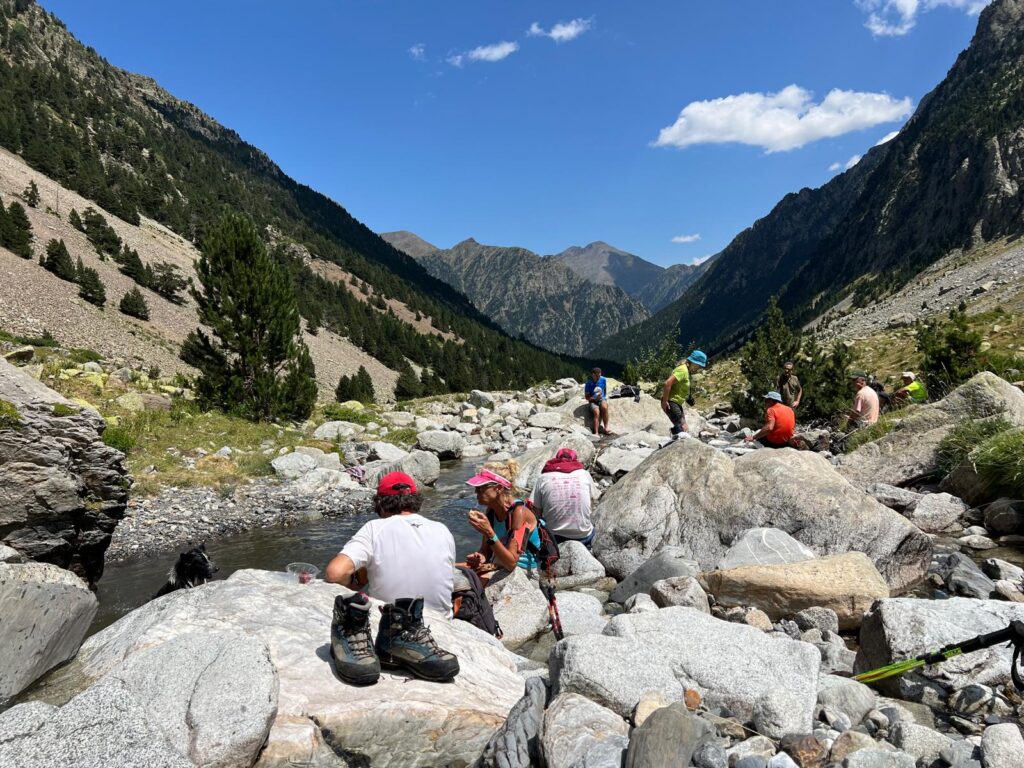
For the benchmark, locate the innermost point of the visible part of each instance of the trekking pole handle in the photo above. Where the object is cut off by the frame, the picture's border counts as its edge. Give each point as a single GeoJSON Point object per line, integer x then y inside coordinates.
{"type": "Point", "coordinates": [975, 644]}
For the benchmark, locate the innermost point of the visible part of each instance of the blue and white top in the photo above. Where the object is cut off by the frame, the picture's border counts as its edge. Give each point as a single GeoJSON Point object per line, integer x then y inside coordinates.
{"type": "Point", "coordinates": [591, 385]}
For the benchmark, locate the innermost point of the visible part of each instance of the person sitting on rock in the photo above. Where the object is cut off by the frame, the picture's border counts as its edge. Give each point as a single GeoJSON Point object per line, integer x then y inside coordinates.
{"type": "Point", "coordinates": [563, 496]}
{"type": "Point", "coordinates": [912, 391]}
{"type": "Point", "coordinates": [779, 423]}
{"type": "Point", "coordinates": [789, 386]}
{"type": "Point", "coordinates": [509, 527]}
{"type": "Point", "coordinates": [594, 392]}
{"type": "Point", "coordinates": [675, 394]}
{"type": "Point", "coordinates": [408, 562]}
{"type": "Point", "coordinates": [865, 402]}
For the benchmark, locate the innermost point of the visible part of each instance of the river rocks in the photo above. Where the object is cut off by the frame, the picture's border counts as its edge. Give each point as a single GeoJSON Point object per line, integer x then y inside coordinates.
{"type": "Point", "coordinates": [879, 758]}
{"type": "Point", "coordinates": [669, 563]}
{"type": "Point", "coordinates": [337, 430]}
{"type": "Point", "coordinates": [901, 628]}
{"type": "Point", "coordinates": [842, 694]}
{"type": "Point", "coordinates": [576, 567]}
{"type": "Point", "coordinates": [618, 461]}
{"type": "Point", "coordinates": [772, 681]}
{"type": "Point", "coordinates": [321, 480]}
{"type": "Point", "coordinates": [400, 721]}
{"type": "Point", "coordinates": [423, 466]}
{"type": "Point", "coordinates": [293, 465]}
{"type": "Point", "coordinates": [446, 445]}
{"type": "Point", "coordinates": [764, 546]}
{"type": "Point", "coordinates": [547, 420]}
{"type": "Point", "coordinates": [848, 584]}
{"type": "Point", "coordinates": [532, 462]}
{"type": "Point", "coordinates": [380, 451]}
{"type": "Point", "coordinates": [900, 499]}
{"type": "Point", "coordinates": [519, 607]}
{"type": "Point", "coordinates": [680, 590]}
{"type": "Point", "coordinates": [669, 736]}
{"type": "Point", "coordinates": [517, 744]}
{"type": "Point", "coordinates": [1002, 746]}
{"type": "Point", "coordinates": [910, 450]}
{"type": "Point", "coordinates": [626, 415]}
{"type": "Point", "coordinates": [580, 614]}
{"type": "Point", "coordinates": [695, 497]}
{"type": "Point", "coordinates": [923, 743]}
{"type": "Point", "coordinates": [46, 612]}
{"type": "Point", "coordinates": [1005, 516]}
{"type": "Point", "coordinates": [574, 725]}
{"type": "Point", "coordinates": [938, 513]}
{"type": "Point", "coordinates": [62, 490]}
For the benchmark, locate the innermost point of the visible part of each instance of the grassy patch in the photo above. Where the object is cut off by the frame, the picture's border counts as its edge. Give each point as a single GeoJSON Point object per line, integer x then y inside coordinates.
{"type": "Point", "coordinates": [1000, 461]}
{"type": "Point", "coordinates": [82, 356]}
{"type": "Point", "coordinates": [965, 437]}
{"type": "Point", "coordinates": [402, 437]}
{"type": "Point", "coordinates": [46, 340]}
{"type": "Point", "coordinates": [9, 416]}
{"type": "Point", "coordinates": [61, 410]}
{"type": "Point", "coordinates": [335, 412]}
{"type": "Point", "coordinates": [885, 424]}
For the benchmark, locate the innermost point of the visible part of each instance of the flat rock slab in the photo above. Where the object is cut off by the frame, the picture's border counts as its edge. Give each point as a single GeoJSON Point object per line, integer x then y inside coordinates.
{"type": "Point", "coordinates": [400, 721]}
{"type": "Point", "coordinates": [46, 613]}
{"type": "Point", "coordinates": [848, 584]}
{"type": "Point", "coordinates": [520, 608]}
{"type": "Point", "coordinates": [671, 562]}
{"type": "Point", "coordinates": [764, 546]}
{"type": "Point", "coordinates": [901, 628]}
{"type": "Point", "coordinates": [694, 497]}
{"type": "Point", "coordinates": [771, 681]}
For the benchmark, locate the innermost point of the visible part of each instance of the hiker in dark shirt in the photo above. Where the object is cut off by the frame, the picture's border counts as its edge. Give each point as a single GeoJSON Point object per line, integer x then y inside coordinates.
{"type": "Point", "coordinates": [789, 386]}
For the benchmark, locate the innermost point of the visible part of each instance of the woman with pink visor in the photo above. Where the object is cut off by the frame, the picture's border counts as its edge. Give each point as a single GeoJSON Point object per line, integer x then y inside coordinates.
{"type": "Point", "coordinates": [509, 526]}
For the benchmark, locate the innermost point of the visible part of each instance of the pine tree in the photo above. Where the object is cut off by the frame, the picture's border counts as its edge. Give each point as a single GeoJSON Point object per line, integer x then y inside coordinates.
{"type": "Point", "coordinates": [90, 287]}
{"type": "Point", "coordinates": [58, 261]}
{"type": "Point", "coordinates": [629, 374]}
{"type": "Point", "coordinates": [255, 363]}
{"type": "Point", "coordinates": [950, 352]}
{"type": "Point", "coordinates": [408, 385]}
{"type": "Point", "coordinates": [132, 266]}
{"type": "Point", "coordinates": [19, 231]}
{"type": "Point", "coordinates": [364, 386]}
{"type": "Point", "coordinates": [31, 195]}
{"type": "Point", "coordinates": [762, 357]}
{"type": "Point", "coordinates": [165, 279]}
{"type": "Point", "coordinates": [133, 304]}
{"type": "Point", "coordinates": [76, 221]}
{"type": "Point", "coordinates": [345, 389]}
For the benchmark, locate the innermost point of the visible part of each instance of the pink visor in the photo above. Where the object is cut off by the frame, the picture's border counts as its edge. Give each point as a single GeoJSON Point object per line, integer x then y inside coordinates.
{"type": "Point", "coordinates": [486, 477]}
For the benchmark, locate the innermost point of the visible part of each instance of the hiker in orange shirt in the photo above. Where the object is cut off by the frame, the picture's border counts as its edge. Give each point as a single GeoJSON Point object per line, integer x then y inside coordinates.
{"type": "Point", "coordinates": [779, 423]}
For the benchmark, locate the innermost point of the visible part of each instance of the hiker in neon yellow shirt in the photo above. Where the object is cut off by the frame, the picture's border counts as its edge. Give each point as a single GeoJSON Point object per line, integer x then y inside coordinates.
{"type": "Point", "coordinates": [676, 391]}
{"type": "Point", "coordinates": [912, 389]}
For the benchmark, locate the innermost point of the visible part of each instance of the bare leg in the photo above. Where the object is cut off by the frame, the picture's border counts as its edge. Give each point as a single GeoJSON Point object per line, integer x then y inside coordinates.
{"type": "Point", "coordinates": [595, 413]}
{"type": "Point", "coordinates": [604, 415]}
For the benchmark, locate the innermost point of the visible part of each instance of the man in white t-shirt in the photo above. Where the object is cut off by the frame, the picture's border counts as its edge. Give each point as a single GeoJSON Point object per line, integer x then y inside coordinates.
{"type": "Point", "coordinates": [563, 495]}
{"type": "Point", "coordinates": [408, 560]}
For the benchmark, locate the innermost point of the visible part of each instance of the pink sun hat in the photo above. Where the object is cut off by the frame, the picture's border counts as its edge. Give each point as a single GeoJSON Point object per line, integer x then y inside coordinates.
{"type": "Point", "coordinates": [486, 477]}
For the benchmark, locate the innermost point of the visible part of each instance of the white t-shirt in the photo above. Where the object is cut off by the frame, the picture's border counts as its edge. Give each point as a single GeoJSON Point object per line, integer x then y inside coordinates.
{"type": "Point", "coordinates": [406, 556]}
{"type": "Point", "coordinates": [564, 498]}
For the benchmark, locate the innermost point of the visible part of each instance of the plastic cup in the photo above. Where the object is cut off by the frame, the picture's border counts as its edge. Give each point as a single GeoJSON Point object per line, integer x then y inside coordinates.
{"type": "Point", "coordinates": [304, 572]}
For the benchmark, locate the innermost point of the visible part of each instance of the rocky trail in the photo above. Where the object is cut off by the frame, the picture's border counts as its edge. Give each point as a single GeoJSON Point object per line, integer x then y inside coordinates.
{"type": "Point", "coordinates": [731, 594]}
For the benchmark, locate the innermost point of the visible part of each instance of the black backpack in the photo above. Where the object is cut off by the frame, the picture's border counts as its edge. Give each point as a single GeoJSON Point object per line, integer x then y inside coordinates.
{"type": "Point", "coordinates": [472, 605]}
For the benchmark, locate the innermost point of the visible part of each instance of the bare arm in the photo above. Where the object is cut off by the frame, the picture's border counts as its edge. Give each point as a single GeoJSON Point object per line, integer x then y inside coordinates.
{"type": "Point", "coordinates": [666, 390]}
{"type": "Point", "coordinates": [769, 425]}
{"type": "Point", "coordinates": [340, 570]}
{"type": "Point", "coordinates": [799, 395]}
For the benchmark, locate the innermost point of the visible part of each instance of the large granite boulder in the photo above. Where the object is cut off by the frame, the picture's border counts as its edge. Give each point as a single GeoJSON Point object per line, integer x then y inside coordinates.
{"type": "Point", "coordinates": [902, 628]}
{"type": "Point", "coordinates": [910, 450]}
{"type": "Point", "coordinates": [62, 490]}
{"type": "Point", "coordinates": [520, 608]}
{"type": "Point", "coordinates": [764, 546]}
{"type": "Point", "coordinates": [669, 563]}
{"type": "Point", "coordinates": [625, 415]}
{"type": "Point", "coordinates": [696, 498]}
{"type": "Point", "coordinates": [423, 466]}
{"type": "Point", "coordinates": [847, 583]}
{"type": "Point", "coordinates": [532, 461]}
{"type": "Point", "coordinates": [576, 567]}
{"type": "Point", "coordinates": [772, 681]}
{"type": "Point", "coordinates": [206, 698]}
{"type": "Point", "coordinates": [445, 445]}
{"type": "Point", "coordinates": [400, 721]}
{"type": "Point", "coordinates": [45, 615]}
{"type": "Point", "coordinates": [574, 725]}
{"type": "Point", "coordinates": [516, 744]}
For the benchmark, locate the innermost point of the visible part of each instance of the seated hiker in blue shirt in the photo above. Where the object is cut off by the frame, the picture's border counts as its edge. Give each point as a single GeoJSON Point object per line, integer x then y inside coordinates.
{"type": "Point", "coordinates": [595, 392]}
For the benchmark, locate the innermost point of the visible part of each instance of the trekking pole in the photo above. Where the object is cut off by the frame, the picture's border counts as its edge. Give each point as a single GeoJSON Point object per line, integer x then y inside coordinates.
{"type": "Point", "coordinates": [1013, 634]}
{"type": "Point", "coordinates": [556, 622]}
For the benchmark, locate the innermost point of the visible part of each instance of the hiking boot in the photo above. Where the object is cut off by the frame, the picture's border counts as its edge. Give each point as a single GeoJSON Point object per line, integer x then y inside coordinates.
{"type": "Point", "coordinates": [351, 643]}
{"type": "Point", "coordinates": [404, 641]}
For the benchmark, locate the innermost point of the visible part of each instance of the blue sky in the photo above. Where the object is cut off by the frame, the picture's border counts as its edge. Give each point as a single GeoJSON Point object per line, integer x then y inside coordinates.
{"type": "Point", "coordinates": [452, 119]}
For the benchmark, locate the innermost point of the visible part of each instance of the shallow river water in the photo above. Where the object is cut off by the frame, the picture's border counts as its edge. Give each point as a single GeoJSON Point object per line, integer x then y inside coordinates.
{"type": "Point", "coordinates": [127, 585]}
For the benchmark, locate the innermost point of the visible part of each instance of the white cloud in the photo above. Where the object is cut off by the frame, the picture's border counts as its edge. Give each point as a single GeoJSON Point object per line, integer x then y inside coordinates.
{"type": "Point", "coordinates": [889, 18]}
{"type": "Point", "coordinates": [418, 52]}
{"type": "Point", "coordinates": [847, 165]}
{"type": "Point", "coordinates": [563, 31]}
{"type": "Point", "coordinates": [887, 138]}
{"type": "Point", "coordinates": [686, 238]}
{"type": "Point", "coordinates": [495, 52]}
{"type": "Point", "coordinates": [455, 59]}
{"type": "Point", "coordinates": [780, 121]}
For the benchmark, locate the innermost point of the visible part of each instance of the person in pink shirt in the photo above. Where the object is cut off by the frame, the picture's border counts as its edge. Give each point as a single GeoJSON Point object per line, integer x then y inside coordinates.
{"type": "Point", "coordinates": [865, 402]}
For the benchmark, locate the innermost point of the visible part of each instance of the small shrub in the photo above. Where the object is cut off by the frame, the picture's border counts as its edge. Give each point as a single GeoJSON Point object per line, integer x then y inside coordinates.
{"type": "Point", "coordinates": [80, 356]}
{"type": "Point", "coordinates": [122, 437]}
{"type": "Point", "coordinates": [60, 410]}
{"type": "Point", "coordinates": [885, 424]}
{"type": "Point", "coordinates": [1000, 462]}
{"type": "Point", "coordinates": [949, 351]}
{"type": "Point", "coordinates": [133, 304]}
{"type": "Point", "coordinates": [9, 416]}
{"type": "Point", "coordinates": [965, 437]}
{"type": "Point", "coordinates": [402, 437]}
{"type": "Point", "coordinates": [335, 412]}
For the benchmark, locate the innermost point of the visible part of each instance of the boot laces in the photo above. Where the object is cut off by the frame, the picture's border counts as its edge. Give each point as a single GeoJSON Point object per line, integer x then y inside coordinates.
{"type": "Point", "coordinates": [359, 641]}
{"type": "Point", "coordinates": [421, 634]}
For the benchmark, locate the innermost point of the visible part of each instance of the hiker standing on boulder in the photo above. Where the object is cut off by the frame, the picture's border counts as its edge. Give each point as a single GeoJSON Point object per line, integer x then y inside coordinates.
{"type": "Point", "coordinates": [595, 392]}
{"type": "Point", "coordinates": [789, 386]}
{"type": "Point", "coordinates": [508, 525]}
{"type": "Point", "coordinates": [675, 394]}
{"type": "Point", "coordinates": [408, 561]}
{"type": "Point", "coordinates": [563, 496]}
{"type": "Point", "coordinates": [865, 402]}
{"type": "Point", "coordinates": [779, 423]}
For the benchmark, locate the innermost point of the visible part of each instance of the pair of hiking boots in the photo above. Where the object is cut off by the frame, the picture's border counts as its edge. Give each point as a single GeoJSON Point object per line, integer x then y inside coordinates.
{"type": "Point", "coordinates": [403, 642]}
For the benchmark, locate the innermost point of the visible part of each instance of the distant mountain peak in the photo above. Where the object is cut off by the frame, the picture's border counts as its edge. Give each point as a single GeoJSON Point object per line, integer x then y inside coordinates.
{"type": "Point", "coordinates": [409, 243]}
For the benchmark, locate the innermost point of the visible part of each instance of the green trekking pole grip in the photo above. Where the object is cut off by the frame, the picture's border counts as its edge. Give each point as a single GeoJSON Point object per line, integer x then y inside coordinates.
{"type": "Point", "coordinates": [968, 646]}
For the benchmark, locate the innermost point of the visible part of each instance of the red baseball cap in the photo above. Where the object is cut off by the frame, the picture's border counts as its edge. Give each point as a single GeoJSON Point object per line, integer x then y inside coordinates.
{"type": "Point", "coordinates": [396, 484]}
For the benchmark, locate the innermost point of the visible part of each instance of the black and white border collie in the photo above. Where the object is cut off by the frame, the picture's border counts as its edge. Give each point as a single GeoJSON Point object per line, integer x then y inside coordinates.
{"type": "Point", "coordinates": [192, 569]}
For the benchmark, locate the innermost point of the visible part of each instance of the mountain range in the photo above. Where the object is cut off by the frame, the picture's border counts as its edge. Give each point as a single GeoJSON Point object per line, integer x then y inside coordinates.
{"type": "Point", "coordinates": [951, 179]}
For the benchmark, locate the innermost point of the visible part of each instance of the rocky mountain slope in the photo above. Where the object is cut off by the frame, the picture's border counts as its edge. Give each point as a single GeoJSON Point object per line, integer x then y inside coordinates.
{"type": "Point", "coordinates": [651, 285]}
{"type": "Point", "coordinates": [538, 299]}
{"type": "Point", "coordinates": [951, 179]}
{"type": "Point", "coordinates": [134, 151]}
{"type": "Point", "coordinates": [409, 243]}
